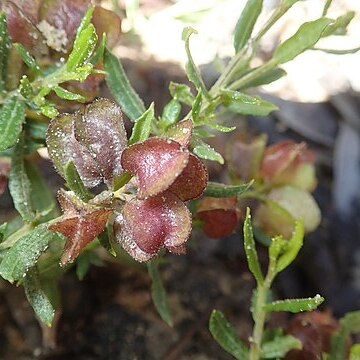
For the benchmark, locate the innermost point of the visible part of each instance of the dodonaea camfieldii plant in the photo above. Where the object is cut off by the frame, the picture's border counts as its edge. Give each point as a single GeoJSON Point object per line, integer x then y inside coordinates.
{"type": "Point", "coordinates": [144, 182]}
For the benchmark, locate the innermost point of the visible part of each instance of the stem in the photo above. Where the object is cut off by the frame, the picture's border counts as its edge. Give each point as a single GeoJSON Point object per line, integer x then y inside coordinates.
{"type": "Point", "coordinates": [13, 238]}
{"type": "Point", "coordinates": [260, 313]}
{"type": "Point", "coordinates": [252, 75]}
{"type": "Point", "coordinates": [238, 61]}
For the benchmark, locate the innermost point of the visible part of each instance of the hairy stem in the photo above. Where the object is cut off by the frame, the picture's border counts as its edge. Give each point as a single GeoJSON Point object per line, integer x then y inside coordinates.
{"type": "Point", "coordinates": [260, 313]}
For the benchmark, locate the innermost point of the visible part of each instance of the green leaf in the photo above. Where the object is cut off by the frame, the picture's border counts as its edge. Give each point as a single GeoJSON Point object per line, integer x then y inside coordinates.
{"type": "Point", "coordinates": [245, 104]}
{"type": "Point", "coordinates": [36, 130]}
{"type": "Point", "coordinates": [182, 93]}
{"type": "Point", "coordinates": [74, 182]}
{"type": "Point", "coordinates": [355, 352]}
{"type": "Point", "coordinates": [250, 249]}
{"type": "Point", "coordinates": [326, 7]}
{"type": "Point", "coordinates": [4, 51]}
{"type": "Point", "coordinates": [219, 127]}
{"type": "Point", "coordinates": [292, 248]}
{"type": "Point", "coordinates": [27, 58]}
{"type": "Point", "coordinates": [12, 116]}
{"type": "Point", "coordinates": [84, 261]}
{"type": "Point", "coordinates": [25, 88]}
{"type": "Point", "coordinates": [218, 190]}
{"type": "Point", "coordinates": [224, 333]}
{"type": "Point", "coordinates": [83, 48]}
{"type": "Point", "coordinates": [107, 238]}
{"type": "Point", "coordinates": [192, 71]}
{"type": "Point", "coordinates": [305, 38]}
{"type": "Point", "coordinates": [2, 231]}
{"type": "Point", "coordinates": [20, 186]}
{"type": "Point", "coordinates": [142, 127]}
{"type": "Point", "coordinates": [158, 292]}
{"type": "Point", "coordinates": [49, 110]}
{"type": "Point", "coordinates": [121, 180]}
{"type": "Point", "coordinates": [41, 195]}
{"type": "Point", "coordinates": [349, 324]}
{"type": "Point", "coordinates": [295, 305]}
{"type": "Point", "coordinates": [67, 95]}
{"type": "Point", "coordinates": [121, 88]}
{"type": "Point", "coordinates": [267, 77]}
{"type": "Point", "coordinates": [246, 22]}
{"type": "Point", "coordinates": [205, 151]}
{"type": "Point", "coordinates": [170, 113]}
{"type": "Point", "coordinates": [37, 297]}
{"type": "Point", "coordinates": [99, 52]}
{"type": "Point", "coordinates": [85, 22]}
{"type": "Point", "coordinates": [196, 107]}
{"type": "Point", "coordinates": [339, 27]}
{"type": "Point", "coordinates": [278, 347]}
{"type": "Point", "coordinates": [25, 252]}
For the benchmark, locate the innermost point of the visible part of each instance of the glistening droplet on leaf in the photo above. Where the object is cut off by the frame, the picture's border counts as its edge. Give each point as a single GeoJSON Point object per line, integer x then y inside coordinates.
{"type": "Point", "coordinates": [147, 225]}
{"type": "Point", "coordinates": [156, 162]}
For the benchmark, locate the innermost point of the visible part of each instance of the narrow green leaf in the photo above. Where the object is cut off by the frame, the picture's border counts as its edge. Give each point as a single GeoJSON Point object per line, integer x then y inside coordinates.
{"type": "Point", "coordinates": [158, 292]}
{"type": "Point", "coordinates": [142, 127]}
{"type": "Point", "coordinates": [41, 196]}
{"type": "Point", "coordinates": [25, 252]}
{"type": "Point", "coordinates": [121, 88]}
{"type": "Point", "coordinates": [29, 61]}
{"type": "Point", "coordinates": [293, 247]}
{"type": "Point", "coordinates": [245, 104]}
{"type": "Point", "coordinates": [338, 51]}
{"type": "Point", "coordinates": [349, 324]}
{"type": "Point", "coordinates": [250, 249]}
{"type": "Point", "coordinates": [107, 238]}
{"type": "Point", "coordinates": [37, 297]}
{"type": "Point", "coordinates": [49, 110]}
{"type": "Point", "coordinates": [99, 52]}
{"type": "Point", "coordinates": [84, 261]}
{"type": "Point", "coordinates": [305, 38]}
{"type": "Point", "coordinates": [224, 333]}
{"type": "Point", "coordinates": [4, 50]}
{"type": "Point", "coordinates": [12, 116]}
{"type": "Point", "coordinates": [196, 107]}
{"type": "Point", "coordinates": [36, 130]}
{"type": "Point", "coordinates": [192, 71]}
{"type": "Point", "coordinates": [339, 26]}
{"type": "Point", "coordinates": [2, 231]}
{"type": "Point", "coordinates": [218, 190]}
{"type": "Point", "coordinates": [74, 182]}
{"type": "Point", "coordinates": [267, 77]}
{"type": "Point", "coordinates": [355, 352]}
{"type": "Point", "coordinates": [170, 113]}
{"type": "Point", "coordinates": [25, 88]}
{"type": "Point", "coordinates": [246, 22]}
{"type": "Point", "coordinates": [67, 95]}
{"type": "Point", "coordinates": [205, 151]}
{"type": "Point", "coordinates": [84, 47]}
{"type": "Point", "coordinates": [182, 93]}
{"type": "Point", "coordinates": [295, 305]}
{"type": "Point", "coordinates": [278, 347]}
{"type": "Point", "coordinates": [326, 7]}
{"type": "Point", "coordinates": [219, 127]}
{"type": "Point", "coordinates": [20, 186]}
{"type": "Point", "coordinates": [121, 180]}
{"type": "Point", "coordinates": [85, 22]}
